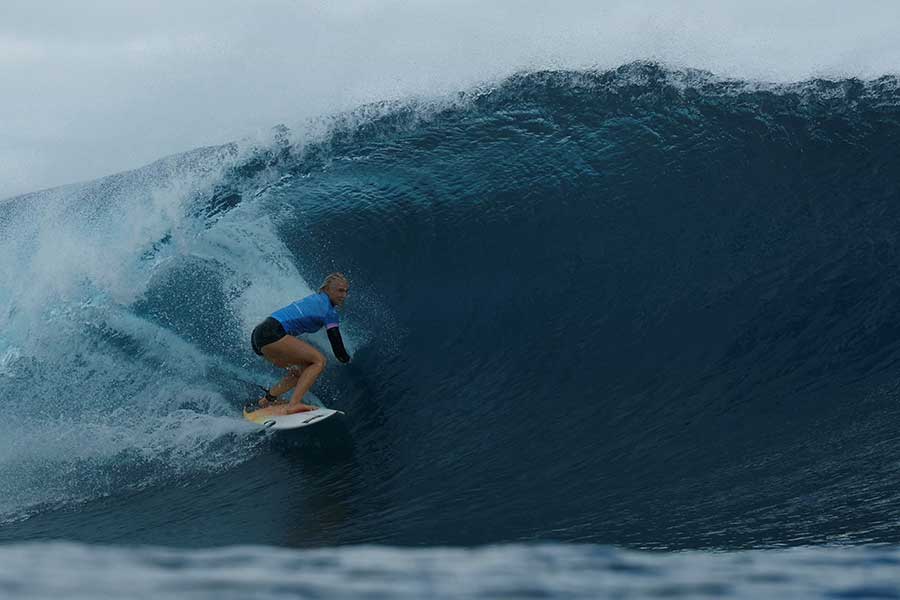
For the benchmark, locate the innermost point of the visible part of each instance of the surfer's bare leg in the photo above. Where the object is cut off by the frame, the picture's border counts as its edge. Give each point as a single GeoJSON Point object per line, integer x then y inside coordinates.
{"type": "Point", "coordinates": [292, 352]}
{"type": "Point", "coordinates": [287, 383]}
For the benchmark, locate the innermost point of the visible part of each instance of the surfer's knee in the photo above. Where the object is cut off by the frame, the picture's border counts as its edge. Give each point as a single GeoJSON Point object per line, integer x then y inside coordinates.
{"type": "Point", "coordinates": [319, 362]}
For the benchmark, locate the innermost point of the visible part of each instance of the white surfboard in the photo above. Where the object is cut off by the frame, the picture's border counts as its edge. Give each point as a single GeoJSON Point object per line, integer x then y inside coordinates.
{"type": "Point", "coordinates": [292, 421]}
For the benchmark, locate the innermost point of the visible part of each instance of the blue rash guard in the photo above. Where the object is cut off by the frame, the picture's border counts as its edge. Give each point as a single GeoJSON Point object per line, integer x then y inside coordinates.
{"type": "Point", "coordinates": [308, 315]}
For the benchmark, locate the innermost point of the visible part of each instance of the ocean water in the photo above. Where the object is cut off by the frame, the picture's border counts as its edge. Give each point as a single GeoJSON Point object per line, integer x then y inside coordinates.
{"type": "Point", "coordinates": [54, 570]}
{"type": "Point", "coordinates": [628, 332]}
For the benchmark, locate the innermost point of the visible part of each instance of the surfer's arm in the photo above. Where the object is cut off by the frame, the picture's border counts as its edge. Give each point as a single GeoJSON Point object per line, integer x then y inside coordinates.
{"type": "Point", "coordinates": [337, 345]}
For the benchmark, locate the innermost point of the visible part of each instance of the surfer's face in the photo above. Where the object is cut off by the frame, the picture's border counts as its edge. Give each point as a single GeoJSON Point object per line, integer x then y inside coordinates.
{"type": "Point", "coordinates": [337, 292]}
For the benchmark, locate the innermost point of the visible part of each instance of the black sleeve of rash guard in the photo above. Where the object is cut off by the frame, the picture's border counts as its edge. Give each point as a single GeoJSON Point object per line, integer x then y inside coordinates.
{"type": "Point", "coordinates": [337, 345]}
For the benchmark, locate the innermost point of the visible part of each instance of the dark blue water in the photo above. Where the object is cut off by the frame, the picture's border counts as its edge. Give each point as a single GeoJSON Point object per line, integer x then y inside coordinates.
{"type": "Point", "coordinates": [646, 308]}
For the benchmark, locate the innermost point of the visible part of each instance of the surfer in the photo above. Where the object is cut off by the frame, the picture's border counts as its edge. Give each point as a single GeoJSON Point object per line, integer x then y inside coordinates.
{"type": "Point", "coordinates": [277, 340]}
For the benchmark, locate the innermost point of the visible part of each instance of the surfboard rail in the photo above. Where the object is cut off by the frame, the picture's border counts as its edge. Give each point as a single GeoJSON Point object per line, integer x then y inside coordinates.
{"type": "Point", "coordinates": [292, 421]}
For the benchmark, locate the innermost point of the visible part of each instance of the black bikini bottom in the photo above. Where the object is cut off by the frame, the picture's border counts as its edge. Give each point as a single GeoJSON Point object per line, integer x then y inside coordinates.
{"type": "Point", "coordinates": [265, 333]}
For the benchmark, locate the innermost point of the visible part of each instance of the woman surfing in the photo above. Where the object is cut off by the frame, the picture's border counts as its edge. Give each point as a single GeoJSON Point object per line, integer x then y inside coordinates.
{"type": "Point", "coordinates": [277, 340]}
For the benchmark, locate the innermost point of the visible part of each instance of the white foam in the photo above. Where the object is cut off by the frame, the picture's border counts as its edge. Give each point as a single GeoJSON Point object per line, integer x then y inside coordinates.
{"type": "Point", "coordinates": [124, 402]}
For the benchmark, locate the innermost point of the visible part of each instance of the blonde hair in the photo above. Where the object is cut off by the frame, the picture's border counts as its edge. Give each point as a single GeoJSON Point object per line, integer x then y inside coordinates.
{"type": "Point", "coordinates": [332, 278]}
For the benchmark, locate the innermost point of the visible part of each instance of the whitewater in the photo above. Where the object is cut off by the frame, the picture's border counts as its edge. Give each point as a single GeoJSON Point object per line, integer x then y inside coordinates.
{"type": "Point", "coordinates": [625, 331]}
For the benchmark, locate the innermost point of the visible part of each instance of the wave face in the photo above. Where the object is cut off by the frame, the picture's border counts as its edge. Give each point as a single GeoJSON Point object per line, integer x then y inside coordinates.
{"type": "Point", "coordinates": [640, 307]}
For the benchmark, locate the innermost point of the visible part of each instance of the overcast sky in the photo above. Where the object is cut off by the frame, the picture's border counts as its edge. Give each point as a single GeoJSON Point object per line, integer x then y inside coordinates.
{"type": "Point", "coordinates": [90, 88]}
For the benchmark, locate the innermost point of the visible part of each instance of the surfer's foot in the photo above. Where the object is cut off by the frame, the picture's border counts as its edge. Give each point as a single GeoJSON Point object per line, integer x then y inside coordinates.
{"type": "Point", "coordinates": [298, 408]}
